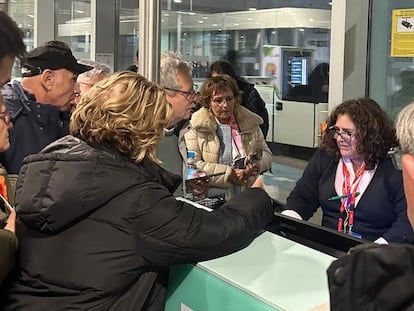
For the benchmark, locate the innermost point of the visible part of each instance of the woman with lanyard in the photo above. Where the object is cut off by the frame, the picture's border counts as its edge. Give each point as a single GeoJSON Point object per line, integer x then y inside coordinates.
{"type": "Point", "coordinates": [226, 139]}
{"type": "Point", "coordinates": [352, 179]}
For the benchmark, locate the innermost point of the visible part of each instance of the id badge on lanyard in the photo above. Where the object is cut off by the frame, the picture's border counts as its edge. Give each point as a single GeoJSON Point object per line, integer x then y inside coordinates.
{"type": "Point", "coordinates": [349, 191]}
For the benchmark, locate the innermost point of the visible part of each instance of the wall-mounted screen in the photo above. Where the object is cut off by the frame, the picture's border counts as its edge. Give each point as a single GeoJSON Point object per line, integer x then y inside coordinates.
{"type": "Point", "coordinates": [298, 67]}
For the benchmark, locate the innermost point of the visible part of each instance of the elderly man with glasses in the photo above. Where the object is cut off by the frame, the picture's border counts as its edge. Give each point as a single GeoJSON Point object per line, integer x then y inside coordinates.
{"type": "Point", "coordinates": [404, 156]}
{"type": "Point", "coordinates": [175, 77]}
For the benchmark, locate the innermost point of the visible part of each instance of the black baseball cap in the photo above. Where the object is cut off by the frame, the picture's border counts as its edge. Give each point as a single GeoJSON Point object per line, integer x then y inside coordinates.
{"type": "Point", "coordinates": [51, 57]}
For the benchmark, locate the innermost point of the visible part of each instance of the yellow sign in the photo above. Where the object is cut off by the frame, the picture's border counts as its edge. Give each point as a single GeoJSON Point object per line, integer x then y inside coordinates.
{"type": "Point", "coordinates": [402, 33]}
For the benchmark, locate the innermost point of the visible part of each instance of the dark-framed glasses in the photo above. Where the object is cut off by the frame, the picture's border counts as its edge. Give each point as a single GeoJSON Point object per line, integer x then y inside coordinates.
{"type": "Point", "coordinates": [6, 117]}
{"type": "Point", "coordinates": [187, 94]}
{"type": "Point", "coordinates": [346, 134]}
{"type": "Point", "coordinates": [395, 154]}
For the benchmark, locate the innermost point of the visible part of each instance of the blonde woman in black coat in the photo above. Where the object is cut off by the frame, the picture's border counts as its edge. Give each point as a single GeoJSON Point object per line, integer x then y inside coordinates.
{"type": "Point", "coordinates": [99, 223]}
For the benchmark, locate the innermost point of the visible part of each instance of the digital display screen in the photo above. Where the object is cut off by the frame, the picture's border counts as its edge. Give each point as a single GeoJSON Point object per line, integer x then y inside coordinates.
{"type": "Point", "coordinates": [298, 70]}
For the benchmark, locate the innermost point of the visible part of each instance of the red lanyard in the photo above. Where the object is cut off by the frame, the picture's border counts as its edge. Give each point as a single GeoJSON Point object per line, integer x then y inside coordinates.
{"type": "Point", "coordinates": [347, 204]}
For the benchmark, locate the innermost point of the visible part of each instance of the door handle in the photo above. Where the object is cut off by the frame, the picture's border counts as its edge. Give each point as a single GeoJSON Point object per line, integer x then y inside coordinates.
{"type": "Point", "coordinates": [279, 106]}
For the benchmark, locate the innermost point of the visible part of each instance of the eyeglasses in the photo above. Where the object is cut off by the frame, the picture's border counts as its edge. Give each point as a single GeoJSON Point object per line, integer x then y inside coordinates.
{"type": "Point", "coordinates": [6, 116]}
{"type": "Point", "coordinates": [395, 154]}
{"type": "Point", "coordinates": [346, 135]}
{"type": "Point", "coordinates": [187, 94]}
{"type": "Point", "coordinates": [220, 100]}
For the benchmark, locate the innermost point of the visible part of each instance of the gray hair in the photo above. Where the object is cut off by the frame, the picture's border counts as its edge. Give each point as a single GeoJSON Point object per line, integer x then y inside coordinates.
{"type": "Point", "coordinates": [98, 69]}
{"type": "Point", "coordinates": [405, 129]}
{"type": "Point", "coordinates": [171, 64]}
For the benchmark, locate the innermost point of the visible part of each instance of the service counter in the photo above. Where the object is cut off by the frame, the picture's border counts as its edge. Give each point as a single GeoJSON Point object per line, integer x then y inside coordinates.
{"type": "Point", "coordinates": [272, 273]}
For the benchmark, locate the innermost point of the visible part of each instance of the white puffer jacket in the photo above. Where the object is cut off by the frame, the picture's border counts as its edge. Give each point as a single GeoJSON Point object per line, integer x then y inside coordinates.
{"type": "Point", "coordinates": [203, 140]}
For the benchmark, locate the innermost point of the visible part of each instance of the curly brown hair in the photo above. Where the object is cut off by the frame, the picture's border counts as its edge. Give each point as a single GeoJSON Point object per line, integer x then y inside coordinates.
{"type": "Point", "coordinates": [126, 111]}
{"type": "Point", "coordinates": [375, 132]}
{"type": "Point", "coordinates": [216, 84]}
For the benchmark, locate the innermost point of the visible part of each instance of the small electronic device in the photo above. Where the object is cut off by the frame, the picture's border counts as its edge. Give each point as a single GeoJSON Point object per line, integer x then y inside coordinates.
{"type": "Point", "coordinates": [212, 202]}
{"type": "Point", "coordinates": [204, 175]}
{"type": "Point", "coordinates": [241, 163]}
{"type": "Point", "coordinates": [254, 157]}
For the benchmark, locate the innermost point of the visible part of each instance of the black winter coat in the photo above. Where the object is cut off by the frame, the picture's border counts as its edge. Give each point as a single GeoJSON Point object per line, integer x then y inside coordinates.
{"type": "Point", "coordinates": [373, 277]}
{"type": "Point", "coordinates": [98, 232]}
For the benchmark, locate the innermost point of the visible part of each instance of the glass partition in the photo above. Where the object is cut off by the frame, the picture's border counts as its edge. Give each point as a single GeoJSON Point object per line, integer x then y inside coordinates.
{"type": "Point", "coordinates": [243, 33]}
{"type": "Point", "coordinates": [392, 59]}
{"type": "Point", "coordinates": [128, 39]}
{"type": "Point", "coordinates": [23, 13]}
{"type": "Point", "coordinates": [73, 26]}
{"type": "Point", "coordinates": [283, 48]}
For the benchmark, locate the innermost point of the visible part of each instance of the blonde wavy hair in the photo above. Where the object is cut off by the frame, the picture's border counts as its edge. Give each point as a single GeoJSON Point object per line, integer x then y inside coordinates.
{"type": "Point", "coordinates": [124, 110]}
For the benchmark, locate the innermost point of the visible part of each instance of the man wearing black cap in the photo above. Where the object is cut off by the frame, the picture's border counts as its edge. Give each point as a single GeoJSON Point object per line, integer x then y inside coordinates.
{"type": "Point", "coordinates": [39, 102]}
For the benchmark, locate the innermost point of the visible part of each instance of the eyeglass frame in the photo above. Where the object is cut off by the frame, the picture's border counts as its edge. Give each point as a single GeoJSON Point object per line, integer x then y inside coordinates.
{"type": "Point", "coordinates": [186, 94]}
{"type": "Point", "coordinates": [395, 153]}
{"type": "Point", "coordinates": [226, 99]}
{"type": "Point", "coordinates": [350, 133]}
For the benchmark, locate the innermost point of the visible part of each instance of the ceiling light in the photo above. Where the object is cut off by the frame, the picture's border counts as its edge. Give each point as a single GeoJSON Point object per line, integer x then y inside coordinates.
{"type": "Point", "coordinates": [201, 22]}
{"type": "Point", "coordinates": [178, 1]}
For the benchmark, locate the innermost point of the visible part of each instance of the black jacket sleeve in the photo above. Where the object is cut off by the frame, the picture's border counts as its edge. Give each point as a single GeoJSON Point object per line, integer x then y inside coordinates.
{"type": "Point", "coordinates": [373, 277]}
{"type": "Point", "coordinates": [171, 231]}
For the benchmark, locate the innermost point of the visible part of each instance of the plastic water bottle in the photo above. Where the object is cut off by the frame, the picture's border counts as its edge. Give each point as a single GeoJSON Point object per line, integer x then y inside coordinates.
{"type": "Point", "coordinates": [191, 172]}
{"type": "Point", "coordinates": [191, 167]}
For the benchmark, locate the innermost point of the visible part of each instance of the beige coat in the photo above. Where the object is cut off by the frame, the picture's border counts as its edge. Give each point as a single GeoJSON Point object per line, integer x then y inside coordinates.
{"type": "Point", "coordinates": [203, 140]}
